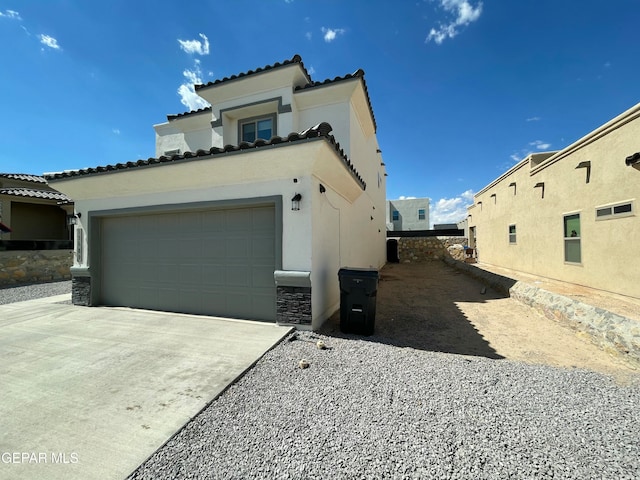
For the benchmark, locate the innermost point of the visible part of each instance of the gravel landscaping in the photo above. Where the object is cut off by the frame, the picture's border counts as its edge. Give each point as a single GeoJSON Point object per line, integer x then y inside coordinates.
{"type": "Point", "coordinates": [31, 292]}
{"type": "Point", "coordinates": [367, 409]}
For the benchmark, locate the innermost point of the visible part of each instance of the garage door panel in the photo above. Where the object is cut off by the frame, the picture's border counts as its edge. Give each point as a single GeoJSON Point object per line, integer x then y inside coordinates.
{"type": "Point", "coordinates": [263, 247]}
{"type": "Point", "coordinates": [238, 220]}
{"type": "Point", "coordinates": [213, 274]}
{"type": "Point", "coordinates": [262, 276]}
{"type": "Point", "coordinates": [215, 262]}
{"type": "Point", "coordinates": [238, 246]}
{"type": "Point", "coordinates": [237, 276]}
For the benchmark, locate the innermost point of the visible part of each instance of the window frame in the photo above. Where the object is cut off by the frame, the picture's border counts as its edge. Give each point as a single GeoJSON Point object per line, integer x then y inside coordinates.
{"type": "Point", "coordinates": [424, 214]}
{"type": "Point", "coordinates": [568, 239]}
{"type": "Point", "coordinates": [512, 235]}
{"type": "Point", "coordinates": [612, 210]}
{"type": "Point", "coordinates": [395, 216]}
{"type": "Point", "coordinates": [254, 120]}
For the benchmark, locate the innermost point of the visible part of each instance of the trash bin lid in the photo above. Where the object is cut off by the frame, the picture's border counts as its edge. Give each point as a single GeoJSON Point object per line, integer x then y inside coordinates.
{"type": "Point", "coordinates": [358, 272]}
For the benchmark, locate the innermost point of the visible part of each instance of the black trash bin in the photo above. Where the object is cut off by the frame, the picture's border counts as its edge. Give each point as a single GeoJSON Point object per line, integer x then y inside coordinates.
{"type": "Point", "coordinates": [358, 290]}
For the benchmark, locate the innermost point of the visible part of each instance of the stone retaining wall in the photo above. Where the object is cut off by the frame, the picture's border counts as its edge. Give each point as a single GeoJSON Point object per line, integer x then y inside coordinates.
{"type": "Point", "coordinates": [608, 330]}
{"type": "Point", "coordinates": [21, 267]}
{"type": "Point", "coordinates": [423, 249]}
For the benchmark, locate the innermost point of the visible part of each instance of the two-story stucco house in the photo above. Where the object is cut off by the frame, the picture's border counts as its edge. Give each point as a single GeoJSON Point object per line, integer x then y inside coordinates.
{"type": "Point", "coordinates": [237, 216]}
{"type": "Point", "coordinates": [570, 215]}
{"type": "Point", "coordinates": [408, 214]}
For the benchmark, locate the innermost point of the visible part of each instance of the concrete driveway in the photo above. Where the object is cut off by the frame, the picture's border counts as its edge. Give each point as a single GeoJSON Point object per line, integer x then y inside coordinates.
{"type": "Point", "coordinates": [90, 393]}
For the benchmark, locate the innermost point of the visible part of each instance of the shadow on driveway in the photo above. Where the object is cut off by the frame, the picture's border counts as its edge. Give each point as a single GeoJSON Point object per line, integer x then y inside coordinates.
{"type": "Point", "coordinates": [417, 307]}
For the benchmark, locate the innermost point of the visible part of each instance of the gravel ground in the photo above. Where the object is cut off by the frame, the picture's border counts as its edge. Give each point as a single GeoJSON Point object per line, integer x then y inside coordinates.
{"type": "Point", "coordinates": [31, 292]}
{"type": "Point", "coordinates": [368, 409]}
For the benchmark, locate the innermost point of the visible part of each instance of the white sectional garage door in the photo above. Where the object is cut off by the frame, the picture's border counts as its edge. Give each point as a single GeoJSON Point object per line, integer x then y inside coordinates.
{"type": "Point", "coordinates": [211, 262]}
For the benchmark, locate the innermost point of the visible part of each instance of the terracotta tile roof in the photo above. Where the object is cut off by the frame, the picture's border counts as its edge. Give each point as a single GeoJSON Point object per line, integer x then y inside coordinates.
{"type": "Point", "coordinates": [192, 112]}
{"type": "Point", "coordinates": [318, 131]}
{"type": "Point", "coordinates": [24, 177]}
{"type": "Point", "coordinates": [633, 159]}
{"type": "Point", "coordinates": [295, 59]}
{"type": "Point", "coordinates": [357, 74]}
{"type": "Point", "coordinates": [33, 193]}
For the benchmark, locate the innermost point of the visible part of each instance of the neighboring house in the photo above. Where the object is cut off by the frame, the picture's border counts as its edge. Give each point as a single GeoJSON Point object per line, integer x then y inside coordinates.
{"type": "Point", "coordinates": [570, 215]}
{"type": "Point", "coordinates": [236, 216]}
{"type": "Point", "coordinates": [32, 210]}
{"type": "Point", "coordinates": [408, 214]}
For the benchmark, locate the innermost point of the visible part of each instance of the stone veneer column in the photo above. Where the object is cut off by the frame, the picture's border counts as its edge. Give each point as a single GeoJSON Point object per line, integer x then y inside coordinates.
{"type": "Point", "coordinates": [81, 287]}
{"type": "Point", "coordinates": [293, 297]}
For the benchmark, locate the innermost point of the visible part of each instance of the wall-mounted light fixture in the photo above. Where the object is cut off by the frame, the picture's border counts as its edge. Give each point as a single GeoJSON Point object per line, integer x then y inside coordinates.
{"type": "Point", "coordinates": [322, 189]}
{"type": "Point", "coordinates": [295, 202]}
{"type": "Point", "coordinates": [73, 219]}
{"type": "Point", "coordinates": [586, 165]}
{"type": "Point", "coordinates": [540, 185]}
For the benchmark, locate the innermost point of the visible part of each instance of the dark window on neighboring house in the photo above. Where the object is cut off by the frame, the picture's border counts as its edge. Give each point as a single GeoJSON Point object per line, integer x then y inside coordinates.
{"type": "Point", "coordinates": [572, 249]}
{"type": "Point", "coordinates": [512, 234]}
{"type": "Point", "coordinates": [395, 215]}
{"type": "Point", "coordinates": [251, 130]}
{"type": "Point", "coordinates": [422, 214]}
{"type": "Point", "coordinates": [619, 210]}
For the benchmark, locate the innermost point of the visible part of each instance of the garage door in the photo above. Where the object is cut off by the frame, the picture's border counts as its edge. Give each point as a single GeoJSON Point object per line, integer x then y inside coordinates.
{"type": "Point", "coordinates": [211, 262]}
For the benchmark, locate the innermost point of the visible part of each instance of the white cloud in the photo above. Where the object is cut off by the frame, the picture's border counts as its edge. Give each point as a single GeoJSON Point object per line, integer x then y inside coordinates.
{"type": "Point", "coordinates": [311, 70]}
{"type": "Point", "coordinates": [402, 197]}
{"type": "Point", "coordinates": [195, 46]}
{"type": "Point", "coordinates": [49, 41]}
{"type": "Point", "coordinates": [330, 34]}
{"type": "Point", "coordinates": [540, 145]}
{"type": "Point", "coordinates": [464, 12]}
{"type": "Point", "coordinates": [188, 96]}
{"type": "Point", "coordinates": [451, 210]}
{"type": "Point", "coordinates": [533, 119]}
{"type": "Point", "coordinates": [116, 131]}
{"type": "Point", "coordinates": [10, 14]}
{"type": "Point", "coordinates": [308, 35]}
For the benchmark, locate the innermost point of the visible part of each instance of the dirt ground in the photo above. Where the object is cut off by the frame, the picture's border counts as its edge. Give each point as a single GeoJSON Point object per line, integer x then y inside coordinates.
{"type": "Point", "coordinates": [432, 306]}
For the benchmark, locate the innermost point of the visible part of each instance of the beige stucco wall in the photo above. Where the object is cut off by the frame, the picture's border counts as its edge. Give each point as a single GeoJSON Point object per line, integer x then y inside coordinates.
{"type": "Point", "coordinates": [608, 260]}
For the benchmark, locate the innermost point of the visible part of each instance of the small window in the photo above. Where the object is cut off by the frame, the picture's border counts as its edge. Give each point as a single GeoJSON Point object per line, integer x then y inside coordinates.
{"type": "Point", "coordinates": [512, 234]}
{"type": "Point", "coordinates": [572, 249]}
{"type": "Point", "coordinates": [252, 130]}
{"type": "Point", "coordinates": [618, 210]}
{"type": "Point", "coordinates": [395, 215]}
{"type": "Point", "coordinates": [422, 214]}
{"type": "Point", "coordinates": [171, 153]}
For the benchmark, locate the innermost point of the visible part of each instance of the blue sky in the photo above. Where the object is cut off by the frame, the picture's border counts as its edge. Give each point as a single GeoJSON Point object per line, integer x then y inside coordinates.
{"type": "Point", "coordinates": [461, 89]}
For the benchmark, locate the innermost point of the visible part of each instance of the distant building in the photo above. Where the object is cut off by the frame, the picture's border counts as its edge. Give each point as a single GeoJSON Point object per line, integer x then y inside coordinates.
{"type": "Point", "coordinates": [408, 214]}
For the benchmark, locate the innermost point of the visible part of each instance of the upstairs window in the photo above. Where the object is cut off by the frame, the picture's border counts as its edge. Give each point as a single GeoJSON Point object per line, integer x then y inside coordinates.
{"type": "Point", "coordinates": [422, 214]}
{"type": "Point", "coordinates": [512, 234]}
{"type": "Point", "coordinates": [395, 215]}
{"type": "Point", "coordinates": [255, 128]}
